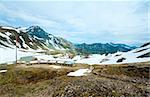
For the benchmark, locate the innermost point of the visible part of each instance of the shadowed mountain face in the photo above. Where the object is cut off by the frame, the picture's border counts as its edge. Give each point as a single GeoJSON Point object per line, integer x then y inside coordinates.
{"type": "Point", "coordinates": [38, 32]}
{"type": "Point", "coordinates": [99, 48]}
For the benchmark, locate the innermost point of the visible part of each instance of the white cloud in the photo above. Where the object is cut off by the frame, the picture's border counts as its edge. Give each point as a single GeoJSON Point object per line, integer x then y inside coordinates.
{"type": "Point", "coordinates": [16, 14]}
{"type": "Point", "coordinates": [111, 20]}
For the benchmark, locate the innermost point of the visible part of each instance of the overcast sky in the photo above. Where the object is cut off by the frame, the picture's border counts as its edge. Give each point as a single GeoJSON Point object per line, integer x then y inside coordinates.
{"type": "Point", "coordinates": [118, 21]}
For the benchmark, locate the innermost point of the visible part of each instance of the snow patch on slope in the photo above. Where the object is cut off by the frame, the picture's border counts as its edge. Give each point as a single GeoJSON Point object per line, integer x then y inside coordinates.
{"type": "Point", "coordinates": [80, 72]}
{"type": "Point", "coordinates": [3, 71]}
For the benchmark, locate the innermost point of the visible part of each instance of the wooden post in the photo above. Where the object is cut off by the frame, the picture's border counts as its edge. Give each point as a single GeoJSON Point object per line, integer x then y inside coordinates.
{"type": "Point", "coordinates": [16, 47]}
{"type": "Point", "coordinates": [16, 54]}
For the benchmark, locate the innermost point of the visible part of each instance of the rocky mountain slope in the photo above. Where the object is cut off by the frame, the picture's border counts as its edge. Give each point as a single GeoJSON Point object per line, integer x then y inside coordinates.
{"type": "Point", "coordinates": [34, 38]}
{"type": "Point", "coordinates": [99, 48]}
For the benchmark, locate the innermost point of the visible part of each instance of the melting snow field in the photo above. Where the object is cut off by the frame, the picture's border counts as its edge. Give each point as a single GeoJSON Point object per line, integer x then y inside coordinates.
{"type": "Point", "coordinates": [80, 72]}
{"type": "Point", "coordinates": [93, 59]}
{"type": "Point", "coordinates": [8, 55]}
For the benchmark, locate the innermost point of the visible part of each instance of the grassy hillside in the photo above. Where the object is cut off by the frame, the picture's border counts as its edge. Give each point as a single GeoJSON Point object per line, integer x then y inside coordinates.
{"type": "Point", "coordinates": [126, 80]}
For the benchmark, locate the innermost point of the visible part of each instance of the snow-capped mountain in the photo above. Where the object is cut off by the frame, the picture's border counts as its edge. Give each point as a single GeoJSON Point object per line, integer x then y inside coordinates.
{"type": "Point", "coordinates": [36, 38]}
{"type": "Point", "coordinates": [99, 48]}
{"type": "Point", "coordinates": [33, 37]}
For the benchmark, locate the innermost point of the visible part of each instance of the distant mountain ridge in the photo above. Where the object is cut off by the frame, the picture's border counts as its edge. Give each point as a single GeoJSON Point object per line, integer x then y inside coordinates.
{"type": "Point", "coordinates": [103, 48]}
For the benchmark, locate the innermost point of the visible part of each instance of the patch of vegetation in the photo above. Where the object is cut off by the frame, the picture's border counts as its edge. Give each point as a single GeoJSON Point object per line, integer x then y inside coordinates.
{"type": "Point", "coordinates": [145, 44]}
{"type": "Point", "coordinates": [141, 50]}
{"type": "Point", "coordinates": [128, 70]}
{"type": "Point", "coordinates": [19, 81]}
{"type": "Point", "coordinates": [144, 55]}
{"type": "Point", "coordinates": [3, 66]}
{"type": "Point", "coordinates": [121, 60]}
